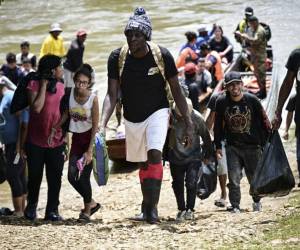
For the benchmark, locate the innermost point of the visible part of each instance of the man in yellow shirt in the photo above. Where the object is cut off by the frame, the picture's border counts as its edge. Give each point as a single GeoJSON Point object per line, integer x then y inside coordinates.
{"type": "Point", "coordinates": [54, 43]}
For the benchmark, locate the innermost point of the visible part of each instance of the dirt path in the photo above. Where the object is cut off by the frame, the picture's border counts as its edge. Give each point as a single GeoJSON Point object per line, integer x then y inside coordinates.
{"type": "Point", "coordinates": [121, 199]}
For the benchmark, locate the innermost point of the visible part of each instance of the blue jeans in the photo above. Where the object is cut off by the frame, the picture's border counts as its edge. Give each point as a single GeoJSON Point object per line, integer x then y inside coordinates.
{"type": "Point", "coordinates": [237, 159]}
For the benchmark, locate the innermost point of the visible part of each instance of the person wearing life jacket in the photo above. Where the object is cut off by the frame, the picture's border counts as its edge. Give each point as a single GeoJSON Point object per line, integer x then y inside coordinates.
{"type": "Point", "coordinates": [53, 43]}
{"type": "Point", "coordinates": [243, 25]}
{"type": "Point", "coordinates": [145, 103]}
{"type": "Point", "coordinates": [25, 47]}
{"type": "Point", "coordinates": [213, 63]}
{"type": "Point", "coordinates": [185, 56]}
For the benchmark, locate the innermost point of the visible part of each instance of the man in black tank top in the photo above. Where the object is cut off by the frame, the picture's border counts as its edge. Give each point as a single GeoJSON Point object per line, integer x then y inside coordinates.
{"type": "Point", "coordinates": [144, 96]}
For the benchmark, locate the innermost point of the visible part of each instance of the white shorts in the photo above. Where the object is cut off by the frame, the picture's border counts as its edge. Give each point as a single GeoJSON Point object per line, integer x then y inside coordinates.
{"type": "Point", "coordinates": [144, 136]}
{"type": "Point", "coordinates": [68, 78]}
{"type": "Point", "coordinates": [222, 163]}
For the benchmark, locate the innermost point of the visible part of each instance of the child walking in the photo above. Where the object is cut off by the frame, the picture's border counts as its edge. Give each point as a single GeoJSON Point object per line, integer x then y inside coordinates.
{"type": "Point", "coordinates": [185, 162]}
{"type": "Point", "coordinates": [83, 111]}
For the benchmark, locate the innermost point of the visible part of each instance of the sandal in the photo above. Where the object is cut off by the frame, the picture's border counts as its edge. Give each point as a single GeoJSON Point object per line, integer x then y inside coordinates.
{"type": "Point", "coordinates": [95, 208]}
{"type": "Point", "coordinates": [220, 203]}
{"type": "Point", "coordinates": [84, 217]}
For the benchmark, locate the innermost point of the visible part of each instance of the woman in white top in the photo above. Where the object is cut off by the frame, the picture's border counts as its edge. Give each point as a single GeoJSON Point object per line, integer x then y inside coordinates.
{"type": "Point", "coordinates": [83, 112]}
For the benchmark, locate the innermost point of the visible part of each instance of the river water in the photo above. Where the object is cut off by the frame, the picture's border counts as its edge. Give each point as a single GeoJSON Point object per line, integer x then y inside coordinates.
{"type": "Point", "coordinates": [105, 21]}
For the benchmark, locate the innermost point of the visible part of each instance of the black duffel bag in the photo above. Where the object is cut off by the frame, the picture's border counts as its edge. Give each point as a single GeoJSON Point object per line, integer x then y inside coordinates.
{"type": "Point", "coordinates": [273, 176]}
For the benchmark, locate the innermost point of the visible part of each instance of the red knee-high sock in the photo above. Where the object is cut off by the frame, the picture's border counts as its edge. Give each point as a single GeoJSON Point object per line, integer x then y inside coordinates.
{"type": "Point", "coordinates": [152, 171]}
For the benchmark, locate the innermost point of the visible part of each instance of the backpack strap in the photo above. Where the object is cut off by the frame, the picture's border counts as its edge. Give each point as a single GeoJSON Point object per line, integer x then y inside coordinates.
{"type": "Point", "coordinates": [122, 59]}
{"type": "Point", "coordinates": [156, 52]}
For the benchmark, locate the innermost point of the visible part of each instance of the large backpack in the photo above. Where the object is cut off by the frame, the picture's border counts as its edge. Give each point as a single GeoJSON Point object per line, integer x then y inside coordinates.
{"type": "Point", "coordinates": [267, 31]}
{"type": "Point", "coordinates": [156, 52]}
{"type": "Point", "coordinates": [20, 98]}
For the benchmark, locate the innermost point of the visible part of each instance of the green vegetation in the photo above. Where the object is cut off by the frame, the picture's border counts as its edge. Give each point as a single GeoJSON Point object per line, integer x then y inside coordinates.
{"type": "Point", "coordinates": [285, 234]}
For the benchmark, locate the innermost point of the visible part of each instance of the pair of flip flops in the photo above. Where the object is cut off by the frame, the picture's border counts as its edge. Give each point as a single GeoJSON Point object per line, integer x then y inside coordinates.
{"type": "Point", "coordinates": [85, 217]}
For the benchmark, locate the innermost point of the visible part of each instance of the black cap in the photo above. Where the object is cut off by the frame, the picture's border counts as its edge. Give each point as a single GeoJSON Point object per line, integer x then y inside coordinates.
{"type": "Point", "coordinates": [252, 19]}
{"type": "Point", "coordinates": [249, 11]}
{"type": "Point", "coordinates": [231, 77]}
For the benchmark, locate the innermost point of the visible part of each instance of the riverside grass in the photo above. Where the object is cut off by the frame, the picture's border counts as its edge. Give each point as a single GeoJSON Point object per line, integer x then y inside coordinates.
{"type": "Point", "coordinates": [284, 234]}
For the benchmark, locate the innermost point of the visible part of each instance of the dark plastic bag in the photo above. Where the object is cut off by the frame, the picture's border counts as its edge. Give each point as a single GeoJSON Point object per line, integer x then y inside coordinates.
{"type": "Point", "coordinates": [3, 166]}
{"type": "Point", "coordinates": [273, 176]}
{"type": "Point", "coordinates": [207, 181]}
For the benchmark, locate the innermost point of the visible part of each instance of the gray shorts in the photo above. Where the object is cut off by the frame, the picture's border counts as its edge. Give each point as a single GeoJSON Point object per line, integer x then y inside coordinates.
{"type": "Point", "coordinates": [222, 163]}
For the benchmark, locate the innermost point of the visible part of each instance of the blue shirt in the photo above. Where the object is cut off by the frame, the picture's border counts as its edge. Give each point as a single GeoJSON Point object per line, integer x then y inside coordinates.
{"type": "Point", "coordinates": [201, 39]}
{"type": "Point", "coordinates": [9, 127]}
{"type": "Point", "coordinates": [187, 45]}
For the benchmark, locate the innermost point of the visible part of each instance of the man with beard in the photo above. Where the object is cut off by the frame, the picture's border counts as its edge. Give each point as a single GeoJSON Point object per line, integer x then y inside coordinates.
{"type": "Point", "coordinates": [136, 70]}
{"type": "Point", "coordinates": [242, 122]}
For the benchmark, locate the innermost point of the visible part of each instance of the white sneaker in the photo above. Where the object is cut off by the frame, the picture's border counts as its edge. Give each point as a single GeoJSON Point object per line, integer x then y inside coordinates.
{"type": "Point", "coordinates": [180, 215]}
{"type": "Point", "coordinates": [257, 207]}
{"type": "Point", "coordinates": [189, 215]}
{"type": "Point", "coordinates": [235, 210]}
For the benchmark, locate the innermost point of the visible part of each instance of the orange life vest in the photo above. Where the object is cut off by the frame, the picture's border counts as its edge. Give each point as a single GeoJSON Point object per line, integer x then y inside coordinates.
{"type": "Point", "coordinates": [185, 53]}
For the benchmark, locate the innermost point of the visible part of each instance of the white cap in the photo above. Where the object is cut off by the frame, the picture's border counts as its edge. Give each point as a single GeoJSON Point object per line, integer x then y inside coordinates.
{"type": "Point", "coordinates": [55, 27]}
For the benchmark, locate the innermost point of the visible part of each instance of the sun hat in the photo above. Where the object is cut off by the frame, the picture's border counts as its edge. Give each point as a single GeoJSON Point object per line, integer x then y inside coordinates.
{"type": "Point", "coordinates": [55, 27]}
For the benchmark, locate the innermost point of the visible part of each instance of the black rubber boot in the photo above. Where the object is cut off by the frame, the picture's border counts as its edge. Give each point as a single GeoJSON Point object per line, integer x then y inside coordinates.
{"type": "Point", "coordinates": [151, 192]}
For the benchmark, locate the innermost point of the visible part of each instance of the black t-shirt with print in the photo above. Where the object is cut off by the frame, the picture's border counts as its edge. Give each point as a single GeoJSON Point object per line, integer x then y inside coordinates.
{"type": "Point", "coordinates": [243, 123]}
{"type": "Point", "coordinates": [142, 85]}
{"type": "Point", "coordinates": [293, 64]}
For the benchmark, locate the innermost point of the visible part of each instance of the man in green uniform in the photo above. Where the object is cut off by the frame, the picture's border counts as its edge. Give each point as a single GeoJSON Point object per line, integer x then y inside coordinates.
{"type": "Point", "coordinates": [257, 43]}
